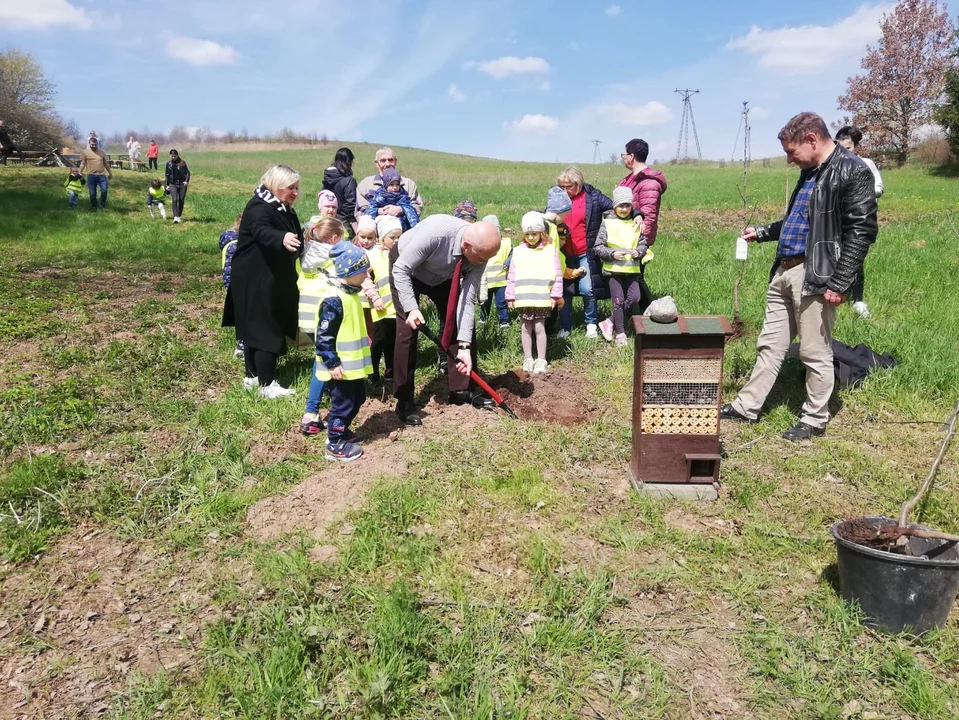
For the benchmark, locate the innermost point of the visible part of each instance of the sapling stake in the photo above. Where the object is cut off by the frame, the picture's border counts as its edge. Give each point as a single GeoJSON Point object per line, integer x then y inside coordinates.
{"type": "Point", "coordinates": [859, 531]}
{"type": "Point", "coordinates": [741, 247]}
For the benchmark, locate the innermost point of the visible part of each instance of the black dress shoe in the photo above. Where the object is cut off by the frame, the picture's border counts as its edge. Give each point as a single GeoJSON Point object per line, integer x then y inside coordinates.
{"type": "Point", "coordinates": [803, 431]}
{"type": "Point", "coordinates": [470, 397]}
{"type": "Point", "coordinates": [728, 412]}
{"type": "Point", "coordinates": [407, 413]}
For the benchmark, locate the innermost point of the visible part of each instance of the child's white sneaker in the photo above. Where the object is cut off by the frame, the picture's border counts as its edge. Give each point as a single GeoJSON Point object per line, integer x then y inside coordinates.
{"type": "Point", "coordinates": [862, 310]}
{"type": "Point", "coordinates": [528, 364]}
{"type": "Point", "coordinates": [152, 215]}
{"type": "Point", "coordinates": [591, 331]}
{"type": "Point", "coordinates": [275, 390]}
{"type": "Point", "coordinates": [562, 335]}
{"type": "Point", "coordinates": [176, 219]}
{"type": "Point", "coordinates": [250, 383]}
{"type": "Point", "coordinates": [540, 366]}
{"type": "Point", "coordinates": [621, 340]}
{"type": "Point", "coordinates": [606, 328]}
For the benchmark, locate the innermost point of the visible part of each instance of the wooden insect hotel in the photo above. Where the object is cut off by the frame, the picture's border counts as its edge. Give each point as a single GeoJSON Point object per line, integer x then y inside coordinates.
{"type": "Point", "coordinates": [677, 395]}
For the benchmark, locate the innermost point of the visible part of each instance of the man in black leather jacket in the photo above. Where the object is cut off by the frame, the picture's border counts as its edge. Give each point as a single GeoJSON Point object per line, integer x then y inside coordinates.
{"type": "Point", "coordinates": [822, 242]}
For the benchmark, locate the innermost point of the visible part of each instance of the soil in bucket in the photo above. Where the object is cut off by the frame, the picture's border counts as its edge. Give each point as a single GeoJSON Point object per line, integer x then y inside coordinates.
{"type": "Point", "coordinates": [909, 590]}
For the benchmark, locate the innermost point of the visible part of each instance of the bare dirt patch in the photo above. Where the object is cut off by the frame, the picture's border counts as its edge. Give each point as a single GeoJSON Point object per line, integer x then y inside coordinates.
{"type": "Point", "coordinates": [553, 397]}
{"type": "Point", "coordinates": [93, 610]}
{"type": "Point", "coordinates": [320, 500]}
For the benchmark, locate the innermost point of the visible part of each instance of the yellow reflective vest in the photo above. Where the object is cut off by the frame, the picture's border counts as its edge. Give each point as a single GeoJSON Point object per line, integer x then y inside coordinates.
{"type": "Point", "coordinates": [352, 342]}
{"type": "Point", "coordinates": [554, 237]}
{"type": "Point", "coordinates": [313, 288]}
{"type": "Point", "coordinates": [157, 193]}
{"type": "Point", "coordinates": [223, 253]}
{"type": "Point", "coordinates": [534, 274]}
{"type": "Point", "coordinates": [622, 235]}
{"type": "Point", "coordinates": [496, 270]}
{"type": "Point", "coordinates": [73, 183]}
{"type": "Point", "coordinates": [380, 266]}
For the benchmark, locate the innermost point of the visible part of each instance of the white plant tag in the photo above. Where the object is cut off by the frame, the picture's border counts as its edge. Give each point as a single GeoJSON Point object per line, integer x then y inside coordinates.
{"type": "Point", "coordinates": [742, 249]}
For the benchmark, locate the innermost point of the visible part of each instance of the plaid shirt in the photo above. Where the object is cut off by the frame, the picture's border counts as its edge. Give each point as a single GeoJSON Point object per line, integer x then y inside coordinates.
{"type": "Point", "coordinates": [792, 237]}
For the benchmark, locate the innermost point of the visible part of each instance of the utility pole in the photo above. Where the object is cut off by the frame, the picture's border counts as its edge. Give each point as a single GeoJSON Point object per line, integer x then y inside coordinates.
{"type": "Point", "coordinates": [597, 158]}
{"type": "Point", "coordinates": [682, 147]}
{"type": "Point", "coordinates": [746, 131]}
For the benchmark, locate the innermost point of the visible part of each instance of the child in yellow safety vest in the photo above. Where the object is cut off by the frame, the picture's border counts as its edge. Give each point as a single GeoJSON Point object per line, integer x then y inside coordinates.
{"type": "Point", "coordinates": [622, 250]}
{"type": "Point", "coordinates": [74, 182]}
{"type": "Point", "coordinates": [156, 194]}
{"type": "Point", "coordinates": [386, 231]}
{"type": "Point", "coordinates": [313, 282]}
{"type": "Point", "coordinates": [493, 285]}
{"type": "Point", "coordinates": [343, 349]}
{"type": "Point", "coordinates": [228, 242]}
{"type": "Point", "coordinates": [534, 285]}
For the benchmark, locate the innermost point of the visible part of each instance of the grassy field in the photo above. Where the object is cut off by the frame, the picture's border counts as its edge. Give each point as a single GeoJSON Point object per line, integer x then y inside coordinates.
{"type": "Point", "coordinates": [171, 547]}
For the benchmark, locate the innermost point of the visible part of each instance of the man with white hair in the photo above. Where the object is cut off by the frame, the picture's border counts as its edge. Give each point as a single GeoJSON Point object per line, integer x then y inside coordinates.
{"type": "Point", "coordinates": [443, 258]}
{"type": "Point", "coordinates": [385, 158]}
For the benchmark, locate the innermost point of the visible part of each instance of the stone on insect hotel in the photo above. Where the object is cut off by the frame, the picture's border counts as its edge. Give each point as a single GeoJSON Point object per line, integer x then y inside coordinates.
{"type": "Point", "coordinates": [677, 395]}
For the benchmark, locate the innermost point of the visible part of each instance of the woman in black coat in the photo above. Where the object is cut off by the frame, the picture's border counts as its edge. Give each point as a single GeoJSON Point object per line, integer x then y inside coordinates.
{"type": "Point", "coordinates": [339, 180]}
{"type": "Point", "coordinates": [262, 300]}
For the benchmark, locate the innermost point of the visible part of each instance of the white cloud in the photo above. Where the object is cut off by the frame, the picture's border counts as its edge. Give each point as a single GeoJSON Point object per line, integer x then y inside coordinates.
{"type": "Point", "coordinates": [454, 93]}
{"type": "Point", "coordinates": [758, 113]}
{"type": "Point", "coordinates": [200, 52]}
{"type": "Point", "coordinates": [812, 49]}
{"type": "Point", "coordinates": [652, 113]}
{"type": "Point", "coordinates": [533, 124]}
{"type": "Point", "coordinates": [613, 10]}
{"type": "Point", "coordinates": [41, 14]}
{"type": "Point", "coordinates": [506, 66]}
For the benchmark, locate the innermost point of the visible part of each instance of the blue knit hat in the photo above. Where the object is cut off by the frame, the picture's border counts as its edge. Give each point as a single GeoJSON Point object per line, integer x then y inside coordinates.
{"type": "Point", "coordinates": [390, 176]}
{"type": "Point", "coordinates": [348, 259]}
{"type": "Point", "coordinates": [557, 201]}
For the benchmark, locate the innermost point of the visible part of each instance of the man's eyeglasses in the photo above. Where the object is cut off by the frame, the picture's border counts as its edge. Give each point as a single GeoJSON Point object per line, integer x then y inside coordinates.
{"type": "Point", "coordinates": [626, 155]}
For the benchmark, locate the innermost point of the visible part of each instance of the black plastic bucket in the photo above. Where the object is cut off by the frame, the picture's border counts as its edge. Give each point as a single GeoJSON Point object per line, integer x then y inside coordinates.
{"type": "Point", "coordinates": [897, 592]}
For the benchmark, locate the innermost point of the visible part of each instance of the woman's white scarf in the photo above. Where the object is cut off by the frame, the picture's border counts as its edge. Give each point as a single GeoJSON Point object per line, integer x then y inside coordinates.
{"type": "Point", "coordinates": [265, 195]}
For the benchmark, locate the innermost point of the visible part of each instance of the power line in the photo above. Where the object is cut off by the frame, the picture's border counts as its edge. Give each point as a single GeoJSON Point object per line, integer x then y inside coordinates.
{"type": "Point", "coordinates": [682, 146]}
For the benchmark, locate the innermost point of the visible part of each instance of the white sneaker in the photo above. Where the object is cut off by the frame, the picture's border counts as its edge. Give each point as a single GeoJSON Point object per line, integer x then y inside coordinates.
{"type": "Point", "coordinates": [176, 219]}
{"type": "Point", "coordinates": [540, 366]}
{"type": "Point", "coordinates": [562, 335]}
{"type": "Point", "coordinates": [591, 331]}
{"type": "Point", "coordinates": [528, 364]}
{"type": "Point", "coordinates": [621, 340]}
{"type": "Point", "coordinates": [250, 383]}
{"type": "Point", "coordinates": [606, 327]}
{"type": "Point", "coordinates": [862, 310]}
{"type": "Point", "coordinates": [275, 390]}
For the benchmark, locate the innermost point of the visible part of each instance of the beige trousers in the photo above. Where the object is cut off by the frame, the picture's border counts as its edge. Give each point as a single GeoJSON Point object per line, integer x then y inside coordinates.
{"type": "Point", "coordinates": [788, 314]}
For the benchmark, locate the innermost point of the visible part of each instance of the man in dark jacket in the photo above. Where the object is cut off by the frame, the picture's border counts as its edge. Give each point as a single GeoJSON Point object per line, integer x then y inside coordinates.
{"type": "Point", "coordinates": [822, 242]}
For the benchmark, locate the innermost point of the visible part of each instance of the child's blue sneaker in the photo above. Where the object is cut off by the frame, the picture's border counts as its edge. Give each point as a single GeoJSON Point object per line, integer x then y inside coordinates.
{"type": "Point", "coordinates": [343, 451]}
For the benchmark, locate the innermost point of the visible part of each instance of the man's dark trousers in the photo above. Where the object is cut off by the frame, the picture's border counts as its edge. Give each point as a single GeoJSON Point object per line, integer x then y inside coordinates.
{"type": "Point", "coordinates": [404, 357]}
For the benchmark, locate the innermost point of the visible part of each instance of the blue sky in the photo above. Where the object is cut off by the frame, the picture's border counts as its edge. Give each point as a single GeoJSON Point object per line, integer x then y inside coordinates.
{"type": "Point", "coordinates": [521, 80]}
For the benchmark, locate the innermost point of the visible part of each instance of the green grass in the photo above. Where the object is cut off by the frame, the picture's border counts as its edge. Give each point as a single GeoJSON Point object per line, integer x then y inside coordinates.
{"type": "Point", "coordinates": [505, 574]}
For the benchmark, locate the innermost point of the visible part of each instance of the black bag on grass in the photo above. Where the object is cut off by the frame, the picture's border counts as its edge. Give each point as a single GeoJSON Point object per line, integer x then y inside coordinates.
{"type": "Point", "coordinates": [853, 364]}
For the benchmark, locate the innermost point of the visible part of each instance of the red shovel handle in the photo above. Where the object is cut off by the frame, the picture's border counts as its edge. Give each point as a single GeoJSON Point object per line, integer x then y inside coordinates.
{"type": "Point", "coordinates": [497, 398]}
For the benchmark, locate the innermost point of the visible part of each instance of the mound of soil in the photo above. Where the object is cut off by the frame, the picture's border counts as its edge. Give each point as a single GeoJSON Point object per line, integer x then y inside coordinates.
{"type": "Point", "coordinates": [554, 397]}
